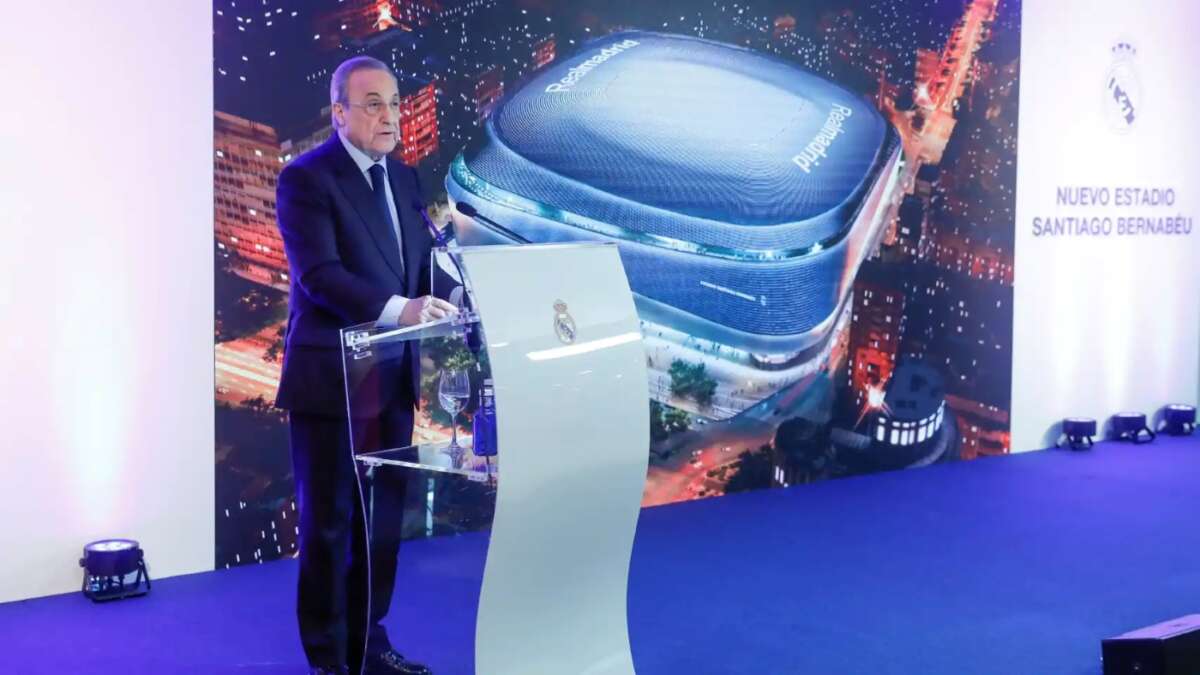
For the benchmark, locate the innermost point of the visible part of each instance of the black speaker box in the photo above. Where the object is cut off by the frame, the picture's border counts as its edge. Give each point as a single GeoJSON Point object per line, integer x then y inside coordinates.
{"type": "Point", "coordinates": [1167, 648]}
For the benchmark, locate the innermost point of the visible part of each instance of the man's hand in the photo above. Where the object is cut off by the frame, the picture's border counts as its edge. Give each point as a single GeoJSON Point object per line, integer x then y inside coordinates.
{"type": "Point", "coordinates": [424, 309]}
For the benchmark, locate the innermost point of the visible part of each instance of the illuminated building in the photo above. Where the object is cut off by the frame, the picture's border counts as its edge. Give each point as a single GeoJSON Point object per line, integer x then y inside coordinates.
{"type": "Point", "coordinates": [744, 192]}
{"type": "Point", "coordinates": [309, 136]}
{"type": "Point", "coordinates": [926, 76]}
{"type": "Point", "coordinates": [543, 52]}
{"type": "Point", "coordinates": [910, 226]}
{"type": "Point", "coordinates": [488, 90]}
{"type": "Point", "coordinates": [910, 428]}
{"type": "Point", "coordinates": [984, 428]}
{"type": "Point", "coordinates": [783, 25]}
{"type": "Point", "coordinates": [522, 49]}
{"type": "Point", "coordinates": [959, 249]}
{"type": "Point", "coordinates": [458, 9]}
{"type": "Point", "coordinates": [418, 122]}
{"type": "Point", "coordinates": [245, 167]}
{"type": "Point", "coordinates": [875, 335]}
{"type": "Point", "coordinates": [358, 19]}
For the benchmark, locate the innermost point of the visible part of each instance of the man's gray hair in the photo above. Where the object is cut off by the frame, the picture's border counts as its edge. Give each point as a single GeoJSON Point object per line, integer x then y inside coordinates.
{"type": "Point", "coordinates": [341, 76]}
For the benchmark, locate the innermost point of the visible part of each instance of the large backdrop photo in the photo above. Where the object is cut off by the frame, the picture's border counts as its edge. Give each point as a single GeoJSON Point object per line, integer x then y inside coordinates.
{"type": "Point", "coordinates": [813, 202]}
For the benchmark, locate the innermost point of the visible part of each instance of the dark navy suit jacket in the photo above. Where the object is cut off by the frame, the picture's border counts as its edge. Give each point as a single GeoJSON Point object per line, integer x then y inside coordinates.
{"type": "Point", "coordinates": [345, 265]}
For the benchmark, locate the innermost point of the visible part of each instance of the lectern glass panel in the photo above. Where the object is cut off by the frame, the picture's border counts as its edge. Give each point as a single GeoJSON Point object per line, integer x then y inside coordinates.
{"type": "Point", "coordinates": [422, 429]}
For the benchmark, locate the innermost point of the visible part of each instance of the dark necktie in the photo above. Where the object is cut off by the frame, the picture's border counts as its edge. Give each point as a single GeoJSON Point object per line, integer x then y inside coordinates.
{"type": "Point", "coordinates": [378, 176]}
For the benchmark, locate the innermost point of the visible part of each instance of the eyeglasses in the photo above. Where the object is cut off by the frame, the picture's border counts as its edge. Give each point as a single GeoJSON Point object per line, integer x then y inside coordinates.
{"type": "Point", "coordinates": [375, 107]}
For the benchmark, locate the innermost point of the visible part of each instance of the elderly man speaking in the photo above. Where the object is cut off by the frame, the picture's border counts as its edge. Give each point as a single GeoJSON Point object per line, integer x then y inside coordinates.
{"type": "Point", "coordinates": [357, 251]}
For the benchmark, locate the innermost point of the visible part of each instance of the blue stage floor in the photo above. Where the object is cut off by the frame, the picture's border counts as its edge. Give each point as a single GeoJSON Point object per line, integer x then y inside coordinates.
{"type": "Point", "coordinates": [1008, 566]}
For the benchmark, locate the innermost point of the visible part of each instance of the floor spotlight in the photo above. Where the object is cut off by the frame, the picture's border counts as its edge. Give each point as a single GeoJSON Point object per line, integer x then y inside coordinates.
{"type": "Point", "coordinates": [1079, 432]}
{"type": "Point", "coordinates": [1131, 426]}
{"type": "Point", "coordinates": [114, 569]}
{"type": "Point", "coordinates": [1179, 419]}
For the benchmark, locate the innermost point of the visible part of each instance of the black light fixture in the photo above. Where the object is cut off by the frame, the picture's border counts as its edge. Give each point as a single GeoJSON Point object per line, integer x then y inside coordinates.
{"type": "Point", "coordinates": [1179, 419]}
{"type": "Point", "coordinates": [1131, 426]}
{"type": "Point", "coordinates": [1079, 432]}
{"type": "Point", "coordinates": [108, 565]}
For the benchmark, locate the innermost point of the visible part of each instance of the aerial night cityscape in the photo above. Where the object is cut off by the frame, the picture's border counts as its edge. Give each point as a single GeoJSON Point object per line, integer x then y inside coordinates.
{"type": "Point", "coordinates": [857, 320]}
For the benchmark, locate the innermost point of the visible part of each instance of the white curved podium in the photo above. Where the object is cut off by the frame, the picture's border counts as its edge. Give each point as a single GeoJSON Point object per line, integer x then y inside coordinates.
{"type": "Point", "coordinates": [572, 432]}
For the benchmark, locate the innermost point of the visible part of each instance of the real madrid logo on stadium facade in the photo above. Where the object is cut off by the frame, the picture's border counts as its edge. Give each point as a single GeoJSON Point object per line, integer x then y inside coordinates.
{"type": "Point", "coordinates": [564, 325]}
{"type": "Point", "coordinates": [1123, 101]}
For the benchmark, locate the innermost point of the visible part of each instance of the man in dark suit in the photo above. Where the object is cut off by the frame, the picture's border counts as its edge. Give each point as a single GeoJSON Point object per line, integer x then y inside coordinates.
{"type": "Point", "coordinates": [358, 252]}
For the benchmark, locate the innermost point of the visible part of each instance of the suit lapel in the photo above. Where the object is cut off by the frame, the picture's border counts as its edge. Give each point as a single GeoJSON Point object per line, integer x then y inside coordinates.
{"type": "Point", "coordinates": [354, 185]}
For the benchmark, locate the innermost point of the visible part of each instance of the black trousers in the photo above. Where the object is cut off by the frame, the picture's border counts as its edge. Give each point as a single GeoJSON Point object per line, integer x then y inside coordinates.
{"type": "Point", "coordinates": [338, 604]}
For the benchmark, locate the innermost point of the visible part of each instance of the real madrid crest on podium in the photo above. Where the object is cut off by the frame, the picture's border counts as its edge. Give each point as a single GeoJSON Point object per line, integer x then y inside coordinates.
{"type": "Point", "coordinates": [564, 325]}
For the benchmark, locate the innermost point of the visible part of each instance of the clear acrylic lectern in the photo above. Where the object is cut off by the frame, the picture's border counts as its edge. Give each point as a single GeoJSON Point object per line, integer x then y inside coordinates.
{"type": "Point", "coordinates": [542, 371]}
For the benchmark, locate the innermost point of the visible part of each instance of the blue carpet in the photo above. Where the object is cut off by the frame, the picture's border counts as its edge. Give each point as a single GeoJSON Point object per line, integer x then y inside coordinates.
{"type": "Point", "coordinates": [1008, 566]}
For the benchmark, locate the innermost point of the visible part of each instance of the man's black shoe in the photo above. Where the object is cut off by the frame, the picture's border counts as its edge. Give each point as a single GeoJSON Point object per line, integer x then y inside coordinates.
{"type": "Point", "coordinates": [392, 663]}
{"type": "Point", "coordinates": [329, 670]}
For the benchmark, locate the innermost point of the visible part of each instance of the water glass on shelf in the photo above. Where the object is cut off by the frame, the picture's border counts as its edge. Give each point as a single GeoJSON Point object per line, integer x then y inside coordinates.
{"type": "Point", "coordinates": [454, 386]}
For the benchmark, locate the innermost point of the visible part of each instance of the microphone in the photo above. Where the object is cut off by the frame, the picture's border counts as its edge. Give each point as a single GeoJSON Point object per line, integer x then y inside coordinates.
{"type": "Point", "coordinates": [466, 209]}
{"type": "Point", "coordinates": [469, 211]}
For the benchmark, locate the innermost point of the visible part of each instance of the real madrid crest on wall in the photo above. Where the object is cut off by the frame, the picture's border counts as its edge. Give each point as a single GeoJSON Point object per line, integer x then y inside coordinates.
{"type": "Point", "coordinates": [564, 325]}
{"type": "Point", "coordinates": [1122, 89]}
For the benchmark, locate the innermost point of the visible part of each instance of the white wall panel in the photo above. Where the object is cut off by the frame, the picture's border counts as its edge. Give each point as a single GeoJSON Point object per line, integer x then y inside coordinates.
{"type": "Point", "coordinates": [1105, 323]}
{"type": "Point", "coordinates": [106, 287]}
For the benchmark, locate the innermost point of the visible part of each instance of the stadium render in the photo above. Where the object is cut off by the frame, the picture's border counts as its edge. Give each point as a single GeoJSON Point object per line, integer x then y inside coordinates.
{"type": "Point", "coordinates": [743, 191]}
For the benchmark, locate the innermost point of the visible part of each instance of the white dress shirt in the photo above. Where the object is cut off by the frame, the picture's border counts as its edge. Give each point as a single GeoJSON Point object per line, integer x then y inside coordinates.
{"type": "Point", "coordinates": [390, 316]}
